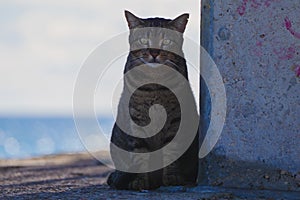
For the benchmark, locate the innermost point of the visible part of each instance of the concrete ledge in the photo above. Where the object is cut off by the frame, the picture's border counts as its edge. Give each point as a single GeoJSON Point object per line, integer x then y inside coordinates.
{"type": "Point", "coordinates": [82, 177]}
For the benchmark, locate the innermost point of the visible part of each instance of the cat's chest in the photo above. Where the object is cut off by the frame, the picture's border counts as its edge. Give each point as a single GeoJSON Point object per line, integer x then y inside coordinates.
{"type": "Point", "coordinates": [142, 101]}
{"type": "Point", "coordinates": [147, 99]}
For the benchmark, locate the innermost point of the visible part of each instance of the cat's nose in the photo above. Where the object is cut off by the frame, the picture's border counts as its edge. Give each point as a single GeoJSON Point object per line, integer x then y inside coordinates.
{"type": "Point", "coordinates": [154, 53]}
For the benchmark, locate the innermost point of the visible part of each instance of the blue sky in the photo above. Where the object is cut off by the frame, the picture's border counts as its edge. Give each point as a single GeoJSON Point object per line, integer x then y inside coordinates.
{"type": "Point", "coordinates": [44, 43]}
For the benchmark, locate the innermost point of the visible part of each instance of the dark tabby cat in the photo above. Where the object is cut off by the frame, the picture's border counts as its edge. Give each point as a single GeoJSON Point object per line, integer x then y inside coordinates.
{"type": "Point", "coordinates": [184, 170]}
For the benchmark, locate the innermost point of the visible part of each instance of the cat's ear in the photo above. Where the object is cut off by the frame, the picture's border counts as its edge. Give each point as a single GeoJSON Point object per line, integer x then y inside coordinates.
{"type": "Point", "coordinates": [132, 20]}
{"type": "Point", "coordinates": [179, 23]}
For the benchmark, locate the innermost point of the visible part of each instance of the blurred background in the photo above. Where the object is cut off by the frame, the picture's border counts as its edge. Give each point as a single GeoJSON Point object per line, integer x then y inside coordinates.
{"type": "Point", "coordinates": [42, 47]}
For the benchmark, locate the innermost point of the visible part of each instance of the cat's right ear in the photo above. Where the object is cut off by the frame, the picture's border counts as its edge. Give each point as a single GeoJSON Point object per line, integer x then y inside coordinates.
{"type": "Point", "coordinates": [180, 22]}
{"type": "Point", "coordinates": [132, 20]}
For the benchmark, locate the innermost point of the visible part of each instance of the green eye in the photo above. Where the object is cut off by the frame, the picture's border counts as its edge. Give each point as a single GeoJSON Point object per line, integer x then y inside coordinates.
{"type": "Point", "coordinates": [144, 41]}
{"type": "Point", "coordinates": [166, 42]}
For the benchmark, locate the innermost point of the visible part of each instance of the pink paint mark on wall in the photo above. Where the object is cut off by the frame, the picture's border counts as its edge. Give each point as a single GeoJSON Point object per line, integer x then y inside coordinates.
{"type": "Point", "coordinates": [268, 3]}
{"type": "Point", "coordinates": [255, 4]}
{"type": "Point", "coordinates": [289, 27]}
{"type": "Point", "coordinates": [285, 53]}
{"type": "Point", "coordinates": [297, 70]}
{"type": "Point", "coordinates": [259, 44]}
{"type": "Point", "coordinates": [242, 8]}
{"type": "Point", "coordinates": [257, 50]}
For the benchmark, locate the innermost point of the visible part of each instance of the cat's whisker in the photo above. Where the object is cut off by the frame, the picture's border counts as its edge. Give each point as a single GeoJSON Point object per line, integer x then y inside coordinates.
{"type": "Point", "coordinates": [143, 60]}
{"type": "Point", "coordinates": [138, 59]}
{"type": "Point", "coordinates": [172, 63]}
{"type": "Point", "coordinates": [168, 61]}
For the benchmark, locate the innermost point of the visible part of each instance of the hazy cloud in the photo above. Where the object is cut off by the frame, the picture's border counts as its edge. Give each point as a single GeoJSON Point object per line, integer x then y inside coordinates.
{"type": "Point", "coordinates": [43, 44]}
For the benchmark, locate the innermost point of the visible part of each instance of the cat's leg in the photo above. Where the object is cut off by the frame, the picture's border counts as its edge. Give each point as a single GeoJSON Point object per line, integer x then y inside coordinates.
{"type": "Point", "coordinates": [183, 171]}
{"type": "Point", "coordinates": [137, 163]}
{"type": "Point", "coordinates": [172, 175]}
{"type": "Point", "coordinates": [120, 180]}
{"type": "Point", "coordinates": [188, 163]}
{"type": "Point", "coordinates": [144, 181]}
{"type": "Point", "coordinates": [130, 181]}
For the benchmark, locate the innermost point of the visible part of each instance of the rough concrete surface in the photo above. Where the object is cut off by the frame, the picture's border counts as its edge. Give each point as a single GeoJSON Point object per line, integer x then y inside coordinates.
{"type": "Point", "coordinates": [256, 46]}
{"type": "Point", "coordinates": [80, 176]}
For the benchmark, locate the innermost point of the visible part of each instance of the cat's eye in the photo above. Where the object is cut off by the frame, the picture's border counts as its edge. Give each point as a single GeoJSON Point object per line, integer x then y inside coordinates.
{"type": "Point", "coordinates": [144, 41]}
{"type": "Point", "coordinates": [166, 42]}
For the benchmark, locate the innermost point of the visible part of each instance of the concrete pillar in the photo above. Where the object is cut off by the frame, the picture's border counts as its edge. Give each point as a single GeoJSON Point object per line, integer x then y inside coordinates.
{"type": "Point", "coordinates": [256, 46]}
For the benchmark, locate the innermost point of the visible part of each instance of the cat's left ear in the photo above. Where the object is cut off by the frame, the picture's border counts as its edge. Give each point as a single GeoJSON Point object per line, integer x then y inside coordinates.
{"type": "Point", "coordinates": [180, 22]}
{"type": "Point", "coordinates": [132, 20]}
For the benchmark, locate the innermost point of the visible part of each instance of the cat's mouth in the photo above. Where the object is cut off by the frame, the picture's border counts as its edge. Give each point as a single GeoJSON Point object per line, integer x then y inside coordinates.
{"type": "Point", "coordinates": [153, 63]}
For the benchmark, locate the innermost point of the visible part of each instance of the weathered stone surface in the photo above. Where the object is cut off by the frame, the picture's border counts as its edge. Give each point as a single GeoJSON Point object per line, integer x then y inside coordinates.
{"type": "Point", "coordinates": [82, 177]}
{"type": "Point", "coordinates": [256, 46]}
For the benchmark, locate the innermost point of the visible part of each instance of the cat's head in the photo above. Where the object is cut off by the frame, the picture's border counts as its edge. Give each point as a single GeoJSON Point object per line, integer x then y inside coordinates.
{"type": "Point", "coordinates": [156, 40]}
{"type": "Point", "coordinates": [177, 24]}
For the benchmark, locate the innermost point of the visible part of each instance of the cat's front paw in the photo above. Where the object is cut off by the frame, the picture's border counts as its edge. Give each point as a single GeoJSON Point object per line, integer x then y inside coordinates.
{"type": "Point", "coordinates": [141, 182]}
{"type": "Point", "coordinates": [119, 180]}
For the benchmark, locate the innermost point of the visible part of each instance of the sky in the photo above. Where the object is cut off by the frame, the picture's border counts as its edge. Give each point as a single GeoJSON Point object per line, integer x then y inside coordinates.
{"type": "Point", "coordinates": [43, 45]}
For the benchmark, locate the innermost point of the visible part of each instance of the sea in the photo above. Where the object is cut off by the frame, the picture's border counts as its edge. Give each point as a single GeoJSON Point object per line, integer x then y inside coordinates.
{"type": "Point", "coordinates": [28, 137]}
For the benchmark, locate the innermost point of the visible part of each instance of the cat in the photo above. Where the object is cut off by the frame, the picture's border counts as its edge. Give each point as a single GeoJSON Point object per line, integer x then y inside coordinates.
{"type": "Point", "coordinates": [184, 171]}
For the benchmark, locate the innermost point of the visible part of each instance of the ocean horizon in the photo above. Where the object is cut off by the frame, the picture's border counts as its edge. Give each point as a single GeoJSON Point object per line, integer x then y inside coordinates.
{"type": "Point", "coordinates": [27, 136]}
